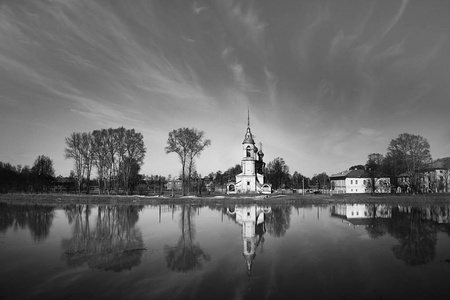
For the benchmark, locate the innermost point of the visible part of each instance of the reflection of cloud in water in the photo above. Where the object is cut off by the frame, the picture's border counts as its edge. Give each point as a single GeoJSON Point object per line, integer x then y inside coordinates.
{"type": "Point", "coordinates": [63, 279]}
{"type": "Point", "coordinates": [113, 245]}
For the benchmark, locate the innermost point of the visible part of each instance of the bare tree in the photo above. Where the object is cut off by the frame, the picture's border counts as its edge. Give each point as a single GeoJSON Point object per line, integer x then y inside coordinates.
{"type": "Point", "coordinates": [74, 150]}
{"type": "Point", "coordinates": [100, 154]}
{"type": "Point", "coordinates": [88, 156]}
{"type": "Point", "coordinates": [197, 146]}
{"type": "Point", "coordinates": [117, 153]}
{"type": "Point", "coordinates": [188, 144]}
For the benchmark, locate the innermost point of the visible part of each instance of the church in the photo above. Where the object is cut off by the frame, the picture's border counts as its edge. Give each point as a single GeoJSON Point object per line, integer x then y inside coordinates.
{"type": "Point", "coordinates": [252, 219]}
{"type": "Point", "coordinates": [251, 179]}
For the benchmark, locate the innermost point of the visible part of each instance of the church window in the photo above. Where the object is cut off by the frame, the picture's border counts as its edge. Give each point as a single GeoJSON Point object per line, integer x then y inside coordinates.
{"type": "Point", "coordinates": [248, 151]}
{"type": "Point", "coordinates": [248, 182]}
{"type": "Point", "coordinates": [356, 181]}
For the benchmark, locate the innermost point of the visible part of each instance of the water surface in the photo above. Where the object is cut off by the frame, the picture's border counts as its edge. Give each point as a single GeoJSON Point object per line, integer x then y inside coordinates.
{"type": "Point", "coordinates": [242, 252]}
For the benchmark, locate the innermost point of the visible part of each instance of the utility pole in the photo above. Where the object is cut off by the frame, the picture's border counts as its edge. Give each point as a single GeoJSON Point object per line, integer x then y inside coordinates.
{"type": "Point", "coordinates": [303, 186]}
{"type": "Point", "coordinates": [172, 186]}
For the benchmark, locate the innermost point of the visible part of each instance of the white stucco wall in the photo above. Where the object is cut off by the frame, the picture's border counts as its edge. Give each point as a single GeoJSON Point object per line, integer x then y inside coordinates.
{"type": "Point", "coordinates": [356, 185]}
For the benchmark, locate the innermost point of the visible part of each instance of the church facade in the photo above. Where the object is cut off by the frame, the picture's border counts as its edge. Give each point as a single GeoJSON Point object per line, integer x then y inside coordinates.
{"type": "Point", "coordinates": [251, 179]}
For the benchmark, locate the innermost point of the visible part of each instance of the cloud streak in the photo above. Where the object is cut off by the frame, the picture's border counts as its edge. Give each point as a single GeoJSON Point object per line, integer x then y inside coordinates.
{"type": "Point", "coordinates": [326, 82]}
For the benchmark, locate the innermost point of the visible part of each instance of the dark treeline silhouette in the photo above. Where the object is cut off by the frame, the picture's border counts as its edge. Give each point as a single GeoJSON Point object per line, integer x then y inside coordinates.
{"type": "Point", "coordinates": [37, 218]}
{"type": "Point", "coordinates": [37, 179]}
{"type": "Point", "coordinates": [416, 235]}
{"type": "Point", "coordinates": [117, 154]}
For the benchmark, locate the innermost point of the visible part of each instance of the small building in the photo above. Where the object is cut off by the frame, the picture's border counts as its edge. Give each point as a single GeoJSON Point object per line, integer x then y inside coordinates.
{"type": "Point", "coordinates": [176, 184]}
{"type": "Point", "coordinates": [358, 182]}
{"type": "Point", "coordinates": [63, 184]}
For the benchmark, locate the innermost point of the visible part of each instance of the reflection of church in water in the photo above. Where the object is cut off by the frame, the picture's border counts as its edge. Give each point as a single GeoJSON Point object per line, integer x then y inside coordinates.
{"type": "Point", "coordinates": [251, 179]}
{"type": "Point", "coordinates": [253, 228]}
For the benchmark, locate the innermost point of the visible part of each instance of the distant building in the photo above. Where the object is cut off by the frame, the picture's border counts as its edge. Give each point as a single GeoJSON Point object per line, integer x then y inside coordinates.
{"type": "Point", "coordinates": [433, 179]}
{"type": "Point", "coordinates": [63, 184]}
{"type": "Point", "coordinates": [176, 184]}
{"type": "Point", "coordinates": [251, 180]}
{"type": "Point", "coordinates": [358, 182]}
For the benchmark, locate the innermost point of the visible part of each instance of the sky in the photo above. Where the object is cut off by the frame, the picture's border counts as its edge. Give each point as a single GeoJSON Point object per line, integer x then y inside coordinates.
{"type": "Point", "coordinates": [326, 83]}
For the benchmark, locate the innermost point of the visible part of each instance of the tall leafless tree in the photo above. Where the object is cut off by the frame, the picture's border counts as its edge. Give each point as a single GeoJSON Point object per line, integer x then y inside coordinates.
{"type": "Point", "coordinates": [188, 143]}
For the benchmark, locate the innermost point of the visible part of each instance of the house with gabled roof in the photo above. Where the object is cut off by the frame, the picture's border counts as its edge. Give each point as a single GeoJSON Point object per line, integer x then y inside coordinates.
{"type": "Point", "coordinates": [358, 181]}
{"type": "Point", "coordinates": [435, 178]}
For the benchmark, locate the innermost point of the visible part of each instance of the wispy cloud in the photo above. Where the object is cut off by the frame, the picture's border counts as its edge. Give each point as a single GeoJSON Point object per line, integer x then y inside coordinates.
{"type": "Point", "coordinates": [342, 40]}
{"type": "Point", "coordinates": [245, 20]}
{"type": "Point", "coordinates": [76, 60]}
{"type": "Point", "coordinates": [316, 16]}
{"type": "Point", "coordinates": [239, 76]}
{"type": "Point", "coordinates": [197, 9]}
{"type": "Point", "coordinates": [271, 82]}
{"type": "Point", "coordinates": [391, 23]}
{"type": "Point", "coordinates": [418, 62]}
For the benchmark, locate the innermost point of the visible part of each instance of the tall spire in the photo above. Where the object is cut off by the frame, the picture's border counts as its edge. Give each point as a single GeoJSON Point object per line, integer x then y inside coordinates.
{"type": "Point", "coordinates": [248, 135]}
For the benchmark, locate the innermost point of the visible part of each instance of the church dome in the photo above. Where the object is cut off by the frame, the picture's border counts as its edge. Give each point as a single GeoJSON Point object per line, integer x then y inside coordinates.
{"type": "Point", "coordinates": [260, 152]}
{"type": "Point", "coordinates": [248, 137]}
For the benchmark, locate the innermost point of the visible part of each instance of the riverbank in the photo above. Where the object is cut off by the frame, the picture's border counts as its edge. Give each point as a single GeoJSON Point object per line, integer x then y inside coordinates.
{"type": "Point", "coordinates": [273, 199]}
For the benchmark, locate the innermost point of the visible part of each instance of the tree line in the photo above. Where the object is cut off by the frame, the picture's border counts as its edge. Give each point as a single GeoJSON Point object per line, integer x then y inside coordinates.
{"type": "Point", "coordinates": [37, 179]}
{"type": "Point", "coordinates": [117, 154]}
{"type": "Point", "coordinates": [408, 154]}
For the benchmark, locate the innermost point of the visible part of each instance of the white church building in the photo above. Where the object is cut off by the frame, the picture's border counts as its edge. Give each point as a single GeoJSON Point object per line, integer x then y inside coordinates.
{"type": "Point", "coordinates": [251, 180]}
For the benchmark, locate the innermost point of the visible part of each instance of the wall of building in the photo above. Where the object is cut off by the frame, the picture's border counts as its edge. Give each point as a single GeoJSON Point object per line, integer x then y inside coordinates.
{"type": "Point", "coordinates": [356, 185]}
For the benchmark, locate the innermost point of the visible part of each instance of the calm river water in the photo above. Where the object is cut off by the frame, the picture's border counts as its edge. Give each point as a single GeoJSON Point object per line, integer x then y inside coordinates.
{"type": "Point", "coordinates": [241, 252]}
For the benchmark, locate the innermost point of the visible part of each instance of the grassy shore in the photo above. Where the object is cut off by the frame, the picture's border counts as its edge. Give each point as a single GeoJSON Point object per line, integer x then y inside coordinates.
{"type": "Point", "coordinates": [274, 199]}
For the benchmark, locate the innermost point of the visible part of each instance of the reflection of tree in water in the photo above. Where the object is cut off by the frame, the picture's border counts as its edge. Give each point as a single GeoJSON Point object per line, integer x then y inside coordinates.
{"type": "Point", "coordinates": [114, 243]}
{"type": "Point", "coordinates": [278, 222]}
{"type": "Point", "coordinates": [186, 255]}
{"type": "Point", "coordinates": [38, 218]}
{"type": "Point", "coordinates": [417, 237]}
{"type": "Point", "coordinates": [376, 226]}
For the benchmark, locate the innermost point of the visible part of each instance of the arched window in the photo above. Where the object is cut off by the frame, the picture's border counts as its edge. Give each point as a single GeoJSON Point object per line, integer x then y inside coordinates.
{"type": "Point", "coordinates": [248, 151]}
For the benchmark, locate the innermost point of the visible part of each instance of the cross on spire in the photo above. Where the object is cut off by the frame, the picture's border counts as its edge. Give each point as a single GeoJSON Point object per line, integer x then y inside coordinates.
{"type": "Point", "coordinates": [248, 117]}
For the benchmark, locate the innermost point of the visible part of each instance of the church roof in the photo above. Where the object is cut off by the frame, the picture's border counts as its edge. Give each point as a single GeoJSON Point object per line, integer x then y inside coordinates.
{"type": "Point", "coordinates": [248, 139]}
